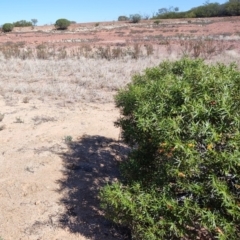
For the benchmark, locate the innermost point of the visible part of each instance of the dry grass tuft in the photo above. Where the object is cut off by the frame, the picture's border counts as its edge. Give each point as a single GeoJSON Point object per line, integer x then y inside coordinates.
{"type": "Point", "coordinates": [2, 127]}
{"type": "Point", "coordinates": [1, 117]}
{"type": "Point", "coordinates": [92, 73]}
{"type": "Point", "coordinates": [42, 119]}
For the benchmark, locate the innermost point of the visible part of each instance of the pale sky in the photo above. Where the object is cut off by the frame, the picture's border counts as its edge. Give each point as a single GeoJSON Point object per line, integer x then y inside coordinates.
{"type": "Point", "coordinates": [48, 11]}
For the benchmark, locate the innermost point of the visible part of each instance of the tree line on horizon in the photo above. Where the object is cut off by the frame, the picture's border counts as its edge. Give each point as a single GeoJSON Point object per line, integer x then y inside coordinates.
{"type": "Point", "coordinates": [60, 24]}
{"type": "Point", "coordinates": [229, 8]}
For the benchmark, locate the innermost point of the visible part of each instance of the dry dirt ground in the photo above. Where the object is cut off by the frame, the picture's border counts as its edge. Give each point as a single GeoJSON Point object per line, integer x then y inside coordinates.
{"type": "Point", "coordinates": [58, 143]}
{"type": "Point", "coordinates": [53, 161]}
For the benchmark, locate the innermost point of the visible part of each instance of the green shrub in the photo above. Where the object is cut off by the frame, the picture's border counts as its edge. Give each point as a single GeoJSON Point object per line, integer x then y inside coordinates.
{"type": "Point", "coordinates": [62, 24]}
{"type": "Point", "coordinates": [123, 18]}
{"type": "Point", "coordinates": [22, 23]}
{"type": "Point", "coordinates": [7, 27]}
{"type": "Point", "coordinates": [156, 22]}
{"type": "Point", "coordinates": [135, 18]}
{"type": "Point", "coordinates": [182, 178]}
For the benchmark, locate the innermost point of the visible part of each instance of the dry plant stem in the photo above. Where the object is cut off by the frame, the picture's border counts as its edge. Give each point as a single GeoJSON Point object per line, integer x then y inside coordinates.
{"type": "Point", "coordinates": [2, 127]}
{"type": "Point", "coordinates": [1, 117]}
{"type": "Point", "coordinates": [96, 78]}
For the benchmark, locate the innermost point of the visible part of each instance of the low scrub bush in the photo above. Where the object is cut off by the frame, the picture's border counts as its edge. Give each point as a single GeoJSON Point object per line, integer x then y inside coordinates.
{"type": "Point", "coordinates": [204, 48]}
{"type": "Point", "coordinates": [23, 23]}
{"type": "Point", "coordinates": [182, 178]}
{"type": "Point", "coordinates": [7, 27]}
{"type": "Point", "coordinates": [135, 18]}
{"type": "Point", "coordinates": [62, 24]}
{"type": "Point", "coordinates": [123, 18]}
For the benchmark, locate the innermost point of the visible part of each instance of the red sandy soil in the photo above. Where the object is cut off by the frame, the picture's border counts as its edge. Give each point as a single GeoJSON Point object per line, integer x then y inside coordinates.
{"type": "Point", "coordinates": [120, 33]}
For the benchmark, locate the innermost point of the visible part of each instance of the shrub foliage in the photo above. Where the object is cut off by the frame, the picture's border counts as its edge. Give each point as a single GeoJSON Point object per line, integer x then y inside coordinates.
{"type": "Point", "coordinates": [123, 18]}
{"type": "Point", "coordinates": [135, 18]}
{"type": "Point", "coordinates": [22, 23]}
{"type": "Point", "coordinates": [182, 178]}
{"type": "Point", "coordinates": [7, 27]}
{"type": "Point", "coordinates": [208, 9]}
{"type": "Point", "coordinates": [62, 24]}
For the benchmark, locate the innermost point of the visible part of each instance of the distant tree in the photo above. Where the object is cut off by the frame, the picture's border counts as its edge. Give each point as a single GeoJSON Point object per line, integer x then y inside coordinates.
{"type": "Point", "coordinates": [171, 12]}
{"type": "Point", "coordinates": [233, 7]}
{"type": "Point", "coordinates": [62, 24]}
{"type": "Point", "coordinates": [34, 21]}
{"type": "Point", "coordinates": [135, 18]}
{"type": "Point", "coordinates": [207, 9]}
{"type": "Point", "coordinates": [7, 27]}
{"type": "Point", "coordinates": [22, 23]}
{"type": "Point", "coordinates": [190, 14]}
{"type": "Point", "coordinates": [145, 16]}
{"type": "Point", "coordinates": [176, 9]}
{"type": "Point", "coordinates": [162, 11]}
{"type": "Point", "coordinates": [123, 18]}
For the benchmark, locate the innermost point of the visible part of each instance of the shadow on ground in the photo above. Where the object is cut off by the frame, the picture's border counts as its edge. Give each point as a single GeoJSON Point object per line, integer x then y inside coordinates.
{"type": "Point", "coordinates": [89, 164]}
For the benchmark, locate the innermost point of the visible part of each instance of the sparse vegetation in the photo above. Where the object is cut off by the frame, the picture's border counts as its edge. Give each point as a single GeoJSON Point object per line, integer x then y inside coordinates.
{"type": "Point", "coordinates": [123, 18]}
{"type": "Point", "coordinates": [26, 100]}
{"type": "Point", "coordinates": [44, 51]}
{"type": "Point", "coordinates": [18, 120]}
{"type": "Point", "coordinates": [62, 24]}
{"type": "Point", "coordinates": [7, 27]}
{"type": "Point", "coordinates": [208, 9]}
{"type": "Point", "coordinates": [135, 18]}
{"type": "Point", "coordinates": [206, 48]}
{"type": "Point", "coordinates": [34, 21]}
{"type": "Point", "coordinates": [157, 22]}
{"type": "Point", "coordinates": [1, 117]}
{"type": "Point", "coordinates": [149, 49]}
{"type": "Point", "coordinates": [68, 139]}
{"type": "Point", "coordinates": [42, 119]}
{"type": "Point", "coordinates": [23, 23]}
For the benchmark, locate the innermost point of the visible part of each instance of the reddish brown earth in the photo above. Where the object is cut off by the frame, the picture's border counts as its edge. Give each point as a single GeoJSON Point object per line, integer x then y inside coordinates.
{"type": "Point", "coordinates": [117, 33]}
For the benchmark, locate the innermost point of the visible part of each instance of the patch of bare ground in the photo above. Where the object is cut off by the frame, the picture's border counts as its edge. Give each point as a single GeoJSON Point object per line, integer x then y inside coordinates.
{"type": "Point", "coordinates": [58, 143]}
{"type": "Point", "coordinates": [51, 171]}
